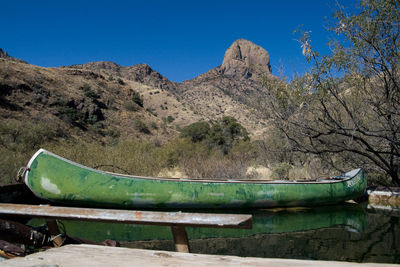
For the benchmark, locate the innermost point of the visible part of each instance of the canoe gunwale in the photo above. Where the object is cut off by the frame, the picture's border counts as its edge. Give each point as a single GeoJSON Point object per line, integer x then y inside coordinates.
{"type": "Point", "coordinates": [332, 180]}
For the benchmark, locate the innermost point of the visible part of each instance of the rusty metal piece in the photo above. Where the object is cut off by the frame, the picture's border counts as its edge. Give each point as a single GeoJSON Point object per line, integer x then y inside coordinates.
{"type": "Point", "coordinates": [10, 251]}
{"type": "Point", "coordinates": [129, 216]}
{"type": "Point", "coordinates": [19, 233]}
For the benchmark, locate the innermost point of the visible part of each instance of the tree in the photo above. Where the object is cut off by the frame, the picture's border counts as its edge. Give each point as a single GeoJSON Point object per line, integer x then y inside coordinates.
{"type": "Point", "coordinates": [227, 132]}
{"type": "Point", "coordinates": [223, 134]}
{"type": "Point", "coordinates": [347, 107]}
{"type": "Point", "coordinates": [197, 131]}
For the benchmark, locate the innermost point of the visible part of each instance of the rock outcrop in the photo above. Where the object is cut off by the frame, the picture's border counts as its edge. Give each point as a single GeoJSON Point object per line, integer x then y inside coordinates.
{"type": "Point", "coordinates": [141, 73]}
{"type": "Point", "coordinates": [245, 59]}
{"type": "Point", "coordinates": [5, 55]}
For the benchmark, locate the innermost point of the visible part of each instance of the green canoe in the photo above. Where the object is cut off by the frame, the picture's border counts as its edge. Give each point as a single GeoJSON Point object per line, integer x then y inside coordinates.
{"type": "Point", "coordinates": [54, 178]}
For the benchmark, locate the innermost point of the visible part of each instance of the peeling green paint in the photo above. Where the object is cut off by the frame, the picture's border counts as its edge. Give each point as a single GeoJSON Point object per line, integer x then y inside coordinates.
{"type": "Point", "coordinates": [80, 185]}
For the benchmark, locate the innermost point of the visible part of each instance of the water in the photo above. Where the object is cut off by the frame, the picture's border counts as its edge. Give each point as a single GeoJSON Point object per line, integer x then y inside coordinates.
{"type": "Point", "coordinates": [341, 233]}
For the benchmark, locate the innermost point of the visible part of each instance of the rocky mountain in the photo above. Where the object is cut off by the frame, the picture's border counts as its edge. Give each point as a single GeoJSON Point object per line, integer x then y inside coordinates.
{"type": "Point", "coordinates": [108, 99]}
{"type": "Point", "coordinates": [86, 104]}
{"type": "Point", "coordinates": [235, 85]}
{"type": "Point", "coordinates": [234, 88]}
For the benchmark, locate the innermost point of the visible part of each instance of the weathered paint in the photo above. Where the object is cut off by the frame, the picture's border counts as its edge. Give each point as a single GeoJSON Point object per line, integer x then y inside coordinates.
{"type": "Point", "coordinates": [128, 216]}
{"type": "Point", "coordinates": [76, 184]}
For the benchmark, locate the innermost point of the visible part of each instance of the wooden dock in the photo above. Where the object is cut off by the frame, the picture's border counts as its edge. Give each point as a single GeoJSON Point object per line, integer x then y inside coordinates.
{"type": "Point", "coordinates": [90, 255]}
{"type": "Point", "coordinates": [176, 220]}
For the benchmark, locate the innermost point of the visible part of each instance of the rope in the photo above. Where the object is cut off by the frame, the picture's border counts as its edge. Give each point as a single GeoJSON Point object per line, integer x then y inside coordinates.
{"type": "Point", "coordinates": [56, 236]}
{"type": "Point", "coordinates": [21, 174]}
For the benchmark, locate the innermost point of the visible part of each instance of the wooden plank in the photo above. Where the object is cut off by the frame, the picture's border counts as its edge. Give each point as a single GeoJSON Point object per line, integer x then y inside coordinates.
{"type": "Point", "coordinates": [180, 239]}
{"type": "Point", "coordinates": [55, 233]}
{"type": "Point", "coordinates": [91, 256]}
{"type": "Point", "coordinates": [129, 216]}
{"type": "Point", "coordinates": [177, 220]}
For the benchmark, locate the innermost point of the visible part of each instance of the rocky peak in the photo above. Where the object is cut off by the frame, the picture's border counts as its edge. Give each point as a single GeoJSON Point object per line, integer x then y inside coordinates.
{"type": "Point", "coordinates": [244, 59]}
{"type": "Point", "coordinates": [5, 55]}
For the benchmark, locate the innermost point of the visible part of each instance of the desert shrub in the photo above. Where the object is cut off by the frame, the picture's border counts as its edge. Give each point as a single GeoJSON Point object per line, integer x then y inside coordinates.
{"type": "Point", "coordinates": [19, 140]}
{"type": "Point", "coordinates": [131, 106]}
{"type": "Point", "coordinates": [26, 136]}
{"type": "Point", "coordinates": [244, 151]}
{"type": "Point", "coordinates": [137, 98]}
{"type": "Point", "coordinates": [196, 132]}
{"type": "Point", "coordinates": [68, 114]}
{"type": "Point", "coordinates": [226, 133]}
{"type": "Point", "coordinates": [213, 164]}
{"type": "Point", "coordinates": [67, 111]}
{"type": "Point", "coordinates": [112, 132]}
{"type": "Point", "coordinates": [170, 119]}
{"type": "Point", "coordinates": [198, 160]}
{"type": "Point", "coordinates": [177, 150]}
{"type": "Point", "coordinates": [141, 126]}
{"type": "Point", "coordinates": [120, 81]}
{"type": "Point", "coordinates": [275, 148]}
{"type": "Point", "coordinates": [110, 102]}
{"type": "Point", "coordinates": [223, 134]}
{"type": "Point", "coordinates": [281, 170]}
{"type": "Point", "coordinates": [152, 112]}
{"type": "Point", "coordinates": [127, 156]}
{"type": "Point", "coordinates": [88, 92]}
{"type": "Point", "coordinates": [154, 125]}
{"type": "Point", "coordinates": [92, 119]}
{"type": "Point", "coordinates": [97, 127]}
{"type": "Point", "coordinates": [10, 162]}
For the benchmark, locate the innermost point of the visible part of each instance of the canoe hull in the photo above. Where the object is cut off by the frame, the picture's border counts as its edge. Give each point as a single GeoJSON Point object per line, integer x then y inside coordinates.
{"type": "Point", "coordinates": [54, 178]}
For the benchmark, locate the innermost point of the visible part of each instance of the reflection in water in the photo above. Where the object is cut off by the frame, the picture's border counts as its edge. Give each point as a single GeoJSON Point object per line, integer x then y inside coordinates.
{"type": "Point", "coordinates": [343, 232]}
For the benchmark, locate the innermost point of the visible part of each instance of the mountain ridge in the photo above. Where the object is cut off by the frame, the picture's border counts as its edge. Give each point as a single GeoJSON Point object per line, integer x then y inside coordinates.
{"type": "Point", "coordinates": [100, 94]}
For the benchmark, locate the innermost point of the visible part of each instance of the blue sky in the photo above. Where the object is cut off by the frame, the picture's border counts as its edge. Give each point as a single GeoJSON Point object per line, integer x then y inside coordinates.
{"type": "Point", "coordinates": [179, 39]}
